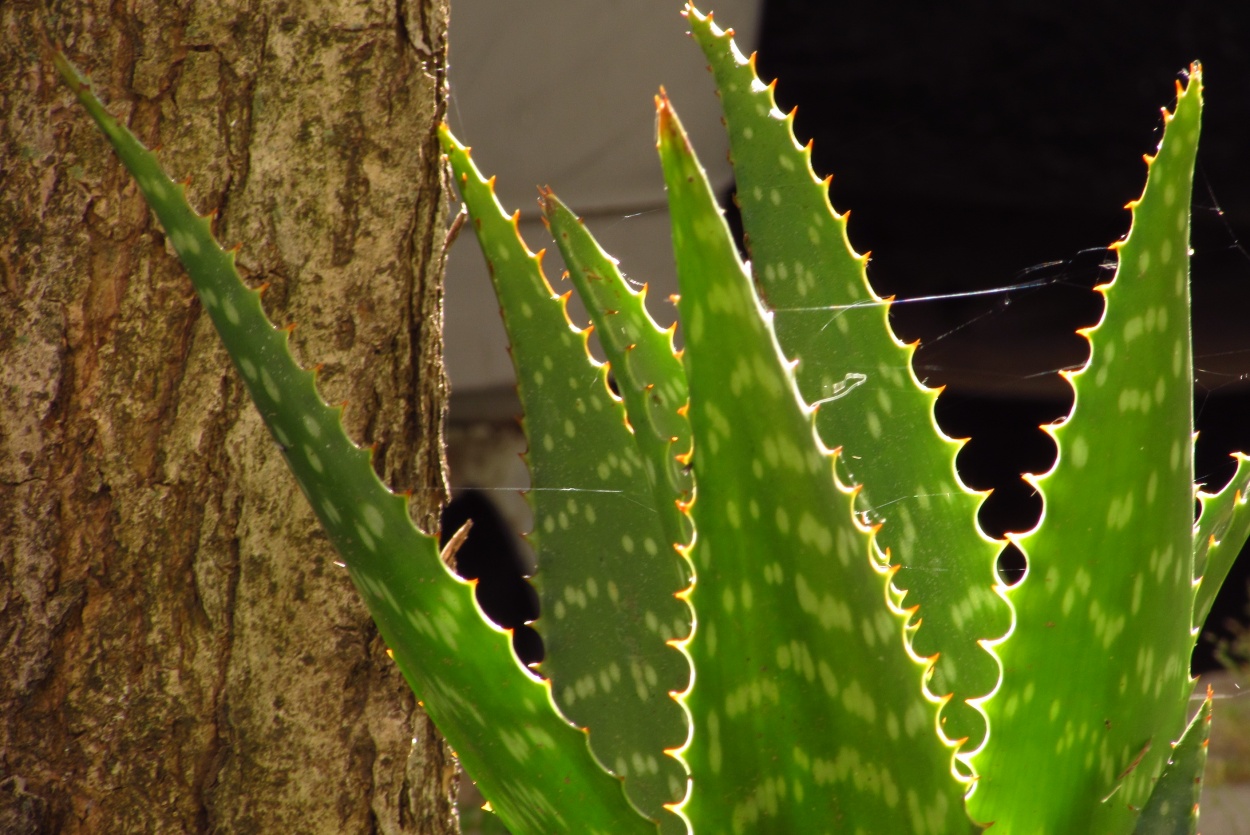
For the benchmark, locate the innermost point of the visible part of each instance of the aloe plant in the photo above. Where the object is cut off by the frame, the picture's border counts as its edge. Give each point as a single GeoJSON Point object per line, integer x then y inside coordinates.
{"type": "Point", "coordinates": [766, 602]}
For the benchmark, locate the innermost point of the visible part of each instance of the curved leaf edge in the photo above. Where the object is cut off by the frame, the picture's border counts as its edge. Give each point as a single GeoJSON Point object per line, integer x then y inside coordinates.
{"type": "Point", "coordinates": [706, 32]}
{"type": "Point", "coordinates": [1219, 534]}
{"type": "Point", "coordinates": [641, 357]}
{"type": "Point", "coordinates": [716, 289]}
{"type": "Point", "coordinates": [1173, 805]}
{"type": "Point", "coordinates": [391, 562]}
{"type": "Point", "coordinates": [528, 302]}
{"type": "Point", "coordinates": [1113, 806]}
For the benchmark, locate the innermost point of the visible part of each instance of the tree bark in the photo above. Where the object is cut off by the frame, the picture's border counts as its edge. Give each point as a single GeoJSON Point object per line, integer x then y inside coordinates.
{"type": "Point", "coordinates": [178, 652]}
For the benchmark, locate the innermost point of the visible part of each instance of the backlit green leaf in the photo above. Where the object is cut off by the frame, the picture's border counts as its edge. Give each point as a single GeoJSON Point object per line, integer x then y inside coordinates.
{"type": "Point", "coordinates": [426, 614]}
{"type": "Point", "coordinates": [1096, 672]}
{"type": "Point", "coordinates": [860, 378]}
{"type": "Point", "coordinates": [607, 569]}
{"type": "Point", "coordinates": [807, 709]}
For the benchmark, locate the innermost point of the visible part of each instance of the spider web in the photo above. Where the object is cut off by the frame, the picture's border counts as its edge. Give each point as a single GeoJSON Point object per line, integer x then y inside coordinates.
{"type": "Point", "coordinates": [996, 344]}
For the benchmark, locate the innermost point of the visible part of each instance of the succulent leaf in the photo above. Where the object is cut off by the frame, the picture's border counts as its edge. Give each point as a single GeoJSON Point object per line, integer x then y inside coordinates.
{"type": "Point", "coordinates": [426, 614]}
{"type": "Point", "coordinates": [1221, 531]}
{"type": "Point", "coordinates": [644, 365]}
{"type": "Point", "coordinates": [853, 368]}
{"type": "Point", "coordinates": [1173, 806]}
{"type": "Point", "coordinates": [766, 602]}
{"type": "Point", "coordinates": [806, 707]}
{"type": "Point", "coordinates": [1096, 672]}
{"type": "Point", "coordinates": [608, 573]}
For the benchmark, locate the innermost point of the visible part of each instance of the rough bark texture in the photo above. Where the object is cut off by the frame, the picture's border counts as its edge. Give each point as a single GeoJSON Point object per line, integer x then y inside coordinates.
{"type": "Point", "coordinates": [178, 652]}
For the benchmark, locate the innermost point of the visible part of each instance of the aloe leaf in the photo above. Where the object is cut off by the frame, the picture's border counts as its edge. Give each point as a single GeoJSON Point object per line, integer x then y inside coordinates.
{"type": "Point", "coordinates": [1096, 673]}
{"type": "Point", "coordinates": [644, 365]}
{"type": "Point", "coordinates": [1222, 529]}
{"type": "Point", "coordinates": [607, 571]}
{"type": "Point", "coordinates": [804, 712]}
{"type": "Point", "coordinates": [1173, 806]}
{"type": "Point", "coordinates": [860, 376]}
{"type": "Point", "coordinates": [428, 617]}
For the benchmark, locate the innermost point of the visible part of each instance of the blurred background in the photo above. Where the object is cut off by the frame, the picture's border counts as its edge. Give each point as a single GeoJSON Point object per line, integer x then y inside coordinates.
{"type": "Point", "coordinates": [980, 147]}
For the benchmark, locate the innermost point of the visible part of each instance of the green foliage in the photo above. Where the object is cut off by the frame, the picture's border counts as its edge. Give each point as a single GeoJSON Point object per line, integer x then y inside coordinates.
{"type": "Point", "coordinates": [426, 614]}
{"type": "Point", "coordinates": [604, 629]}
{"type": "Point", "coordinates": [1110, 569]}
{"type": "Point", "coordinates": [766, 602]}
{"type": "Point", "coordinates": [1173, 806]}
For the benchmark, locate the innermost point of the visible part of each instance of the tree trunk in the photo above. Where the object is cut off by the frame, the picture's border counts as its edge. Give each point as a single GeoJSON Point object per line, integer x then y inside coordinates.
{"type": "Point", "coordinates": [178, 652]}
